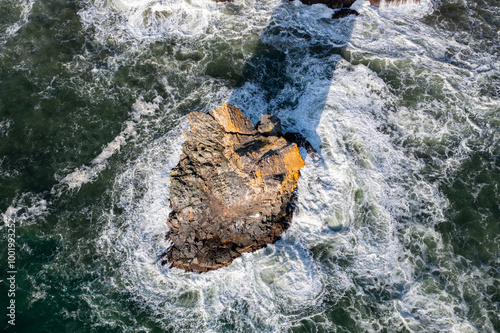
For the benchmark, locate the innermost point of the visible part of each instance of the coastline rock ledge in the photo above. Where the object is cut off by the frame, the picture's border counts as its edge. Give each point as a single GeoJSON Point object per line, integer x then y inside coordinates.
{"type": "Point", "coordinates": [233, 190]}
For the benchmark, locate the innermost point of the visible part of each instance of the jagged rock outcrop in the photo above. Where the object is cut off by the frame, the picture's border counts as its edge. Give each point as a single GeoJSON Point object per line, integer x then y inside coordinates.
{"type": "Point", "coordinates": [344, 12]}
{"type": "Point", "coordinates": [233, 189]}
{"type": "Point", "coordinates": [343, 5]}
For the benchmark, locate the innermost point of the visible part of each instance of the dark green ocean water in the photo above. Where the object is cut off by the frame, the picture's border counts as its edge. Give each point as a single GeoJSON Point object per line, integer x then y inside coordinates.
{"type": "Point", "coordinates": [398, 224]}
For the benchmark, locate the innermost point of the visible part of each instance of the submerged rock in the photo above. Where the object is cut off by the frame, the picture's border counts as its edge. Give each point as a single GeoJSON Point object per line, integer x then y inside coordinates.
{"type": "Point", "coordinates": [233, 189]}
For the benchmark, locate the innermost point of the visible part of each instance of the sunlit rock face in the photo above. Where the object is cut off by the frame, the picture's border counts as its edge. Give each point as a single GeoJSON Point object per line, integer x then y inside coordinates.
{"type": "Point", "coordinates": [233, 189]}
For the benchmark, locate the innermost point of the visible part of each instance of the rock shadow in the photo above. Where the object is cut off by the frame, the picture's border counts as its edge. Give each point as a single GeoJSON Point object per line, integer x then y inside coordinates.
{"type": "Point", "coordinates": [290, 73]}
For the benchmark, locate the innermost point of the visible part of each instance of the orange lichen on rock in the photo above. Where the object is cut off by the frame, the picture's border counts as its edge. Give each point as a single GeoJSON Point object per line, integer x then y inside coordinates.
{"type": "Point", "coordinates": [233, 189]}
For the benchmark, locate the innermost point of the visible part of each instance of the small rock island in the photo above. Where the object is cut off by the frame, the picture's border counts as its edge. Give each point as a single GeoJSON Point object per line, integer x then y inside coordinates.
{"type": "Point", "coordinates": [233, 190]}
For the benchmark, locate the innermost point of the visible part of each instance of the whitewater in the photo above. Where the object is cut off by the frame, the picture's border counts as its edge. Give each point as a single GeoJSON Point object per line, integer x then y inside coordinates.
{"type": "Point", "coordinates": [397, 222]}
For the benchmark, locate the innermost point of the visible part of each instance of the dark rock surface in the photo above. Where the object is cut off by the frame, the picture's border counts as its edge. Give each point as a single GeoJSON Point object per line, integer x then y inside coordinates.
{"type": "Point", "coordinates": [233, 189]}
{"type": "Point", "coordinates": [334, 4]}
{"type": "Point", "coordinates": [344, 5]}
{"type": "Point", "coordinates": [344, 12]}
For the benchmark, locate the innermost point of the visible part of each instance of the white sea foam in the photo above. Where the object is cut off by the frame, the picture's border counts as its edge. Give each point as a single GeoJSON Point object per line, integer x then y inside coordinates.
{"type": "Point", "coordinates": [86, 174]}
{"type": "Point", "coordinates": [25, 10]}
{"type": "Point", "coordinates": [26, 208]}
{"type": "Point", "coordinates": [365, 225]}
{"type": "Point", "coordinates": [167, 19]}
{"type": "Point", "coordinates": [281, 277]}
{"type": "Point", "coordinates": [5, 126]}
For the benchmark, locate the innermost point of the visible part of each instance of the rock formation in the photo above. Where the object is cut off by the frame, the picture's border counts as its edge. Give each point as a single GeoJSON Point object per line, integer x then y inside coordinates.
{"type": "Point", "coordinates": [336, 4]}
{"type": "Point", "coordinates": [343, 5]}
{"type": "Point", "coordinates": [233, 189]}
{"type": "Point", "coordinates": [344, 12]}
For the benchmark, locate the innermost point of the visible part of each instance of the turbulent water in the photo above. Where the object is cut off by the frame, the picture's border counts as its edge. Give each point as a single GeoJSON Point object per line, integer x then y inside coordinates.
{"type": "Point", "coordinates": [398, 223]}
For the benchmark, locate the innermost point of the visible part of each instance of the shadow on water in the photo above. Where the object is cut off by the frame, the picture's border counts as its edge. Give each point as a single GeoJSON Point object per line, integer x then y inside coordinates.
{"type": "Point", "coordinates": [291, 70]}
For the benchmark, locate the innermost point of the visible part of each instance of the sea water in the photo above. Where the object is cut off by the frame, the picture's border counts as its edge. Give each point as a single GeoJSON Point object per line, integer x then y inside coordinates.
{"type": "Point", "coordinates": [398, 220]}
